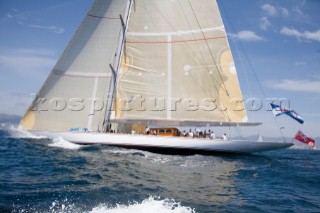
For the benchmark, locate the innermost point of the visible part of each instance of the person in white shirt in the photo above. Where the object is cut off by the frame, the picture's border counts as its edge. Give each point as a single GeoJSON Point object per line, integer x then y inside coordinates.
{"type": "Point", "coordinates": [191, 134]}
{"type": "Point", "coordinates": [212, 135]}
{"type": "Point", "coordinates": [133, 131]}
{"type": "Point", "coordinates": [224, 137]}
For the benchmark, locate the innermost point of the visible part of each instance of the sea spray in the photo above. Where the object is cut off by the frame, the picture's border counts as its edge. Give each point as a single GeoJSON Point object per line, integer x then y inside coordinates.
{"type": "Point", "coordinates": [61, 143]}
{"type": "Point", "coordinates": [151, 204]}
{"type": "Point", "coordinates": [15, 132]}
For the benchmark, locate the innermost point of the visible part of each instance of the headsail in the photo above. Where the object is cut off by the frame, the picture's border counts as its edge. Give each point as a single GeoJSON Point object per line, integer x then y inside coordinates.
{"type": "Point", "coordinates": [76, 90]}
{"type": "Point", "coordinates": [177, 65]}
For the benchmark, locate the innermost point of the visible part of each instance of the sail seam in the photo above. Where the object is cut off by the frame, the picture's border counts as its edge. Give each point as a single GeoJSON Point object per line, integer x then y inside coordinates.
{"type": "Point", "coordinates": [93, 99]}
{"type": "Point", "coordinates": [172, 42]}
{"type": "Point", "coordinates": [178, 33]}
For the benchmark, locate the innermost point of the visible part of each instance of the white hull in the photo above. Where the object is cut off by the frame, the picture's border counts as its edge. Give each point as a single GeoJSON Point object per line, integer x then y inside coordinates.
{"type": "Point", "coordinates": [170, 145]}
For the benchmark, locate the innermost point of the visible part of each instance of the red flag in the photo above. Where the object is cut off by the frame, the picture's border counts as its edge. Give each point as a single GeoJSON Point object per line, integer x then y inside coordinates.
{"type": "Point", "coordinates": [300, 136]}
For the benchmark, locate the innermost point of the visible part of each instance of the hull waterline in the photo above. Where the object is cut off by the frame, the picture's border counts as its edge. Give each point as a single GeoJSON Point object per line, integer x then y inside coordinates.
{"type": "Point", "coordinates": [167, 145]}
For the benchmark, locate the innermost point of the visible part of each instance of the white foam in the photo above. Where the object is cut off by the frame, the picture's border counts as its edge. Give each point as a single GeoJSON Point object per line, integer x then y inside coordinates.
{"type": "Point", "coordinates": [61, 143]}
{"type": "Point", "coordinates": [124, 151]}
{"type": "Point", "coordinates": [305, 147]}
{"type": "Point", "coordinates": [154, 157]}
{"type": "Point", "coordinates": [151, 204]}
{"type": "Point", "coordinates": [15, 132]}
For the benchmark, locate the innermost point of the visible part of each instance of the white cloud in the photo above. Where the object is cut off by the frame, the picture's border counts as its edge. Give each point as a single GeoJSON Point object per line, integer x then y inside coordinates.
{"type": "Point", "coordinates": [247, 35]}
{"type": "Point", "coordinates": [264, 23]}
{"type": "Point", "coordinates": [269, 9]}
{"type": "Point", "coordinates": [298, 15]}
{"type": "Point", "coordinates": [316, 76]}
{"type": "Point", "coordinates": [23, 19]}
{"type": "Point", "coordinates": [39, 52]}
{"type": "Point", "coordinates": [297, 85]}
{"type": "Point", "coordinates": [290, 32]}
{"type": "Point", "coordinates": [15, 15]}
{"type": "Point", "coordinates": [301, 35]}
{"type": "Point", "coordinates": [300, 63]}
{"type": "Point", "coordinates": [31, 62]}
{"type": "Point", "coordinates": [298, 11]}
{"type": "Point", "coordinates": [284, 11]}
{"type": "Point", "coordinates": [312, 35]}
{"type": "Point", "coordinates": [50, 28]}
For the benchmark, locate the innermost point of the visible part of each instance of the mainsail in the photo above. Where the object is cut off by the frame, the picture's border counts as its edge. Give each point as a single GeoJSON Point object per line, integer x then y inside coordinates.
{"type": "Point", "coordinates": [175, 68]}
{"type": "Point", "coordinates": [177, 65]}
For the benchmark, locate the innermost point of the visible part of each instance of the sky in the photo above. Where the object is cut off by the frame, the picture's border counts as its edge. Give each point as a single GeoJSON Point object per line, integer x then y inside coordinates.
{"type": "Point", "coordinates": [276, 46]}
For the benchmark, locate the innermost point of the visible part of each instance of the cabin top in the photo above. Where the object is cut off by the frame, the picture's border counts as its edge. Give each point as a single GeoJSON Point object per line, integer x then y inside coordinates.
{"type": "Point", "coordinates": [164, 131]}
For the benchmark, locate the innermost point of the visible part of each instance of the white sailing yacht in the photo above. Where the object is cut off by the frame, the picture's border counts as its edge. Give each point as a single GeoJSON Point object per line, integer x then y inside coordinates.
{"type": "Point", "coordinates": [138, 63]}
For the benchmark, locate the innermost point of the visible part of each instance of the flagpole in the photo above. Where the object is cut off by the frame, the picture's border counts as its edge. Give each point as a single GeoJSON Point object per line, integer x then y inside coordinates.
{"type": "Point", "coordinates": [276, 121]}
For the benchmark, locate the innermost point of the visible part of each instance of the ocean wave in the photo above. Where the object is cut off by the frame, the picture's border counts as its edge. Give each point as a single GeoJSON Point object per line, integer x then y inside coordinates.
{"type": "Point", "coordinates": [151, 204]}
{"type": "Point", "coordinates": [122, 151]}
{"type": "Point", "coordinates": [62, 143]}
{"type": "Point", "coordinates": [154, 157]}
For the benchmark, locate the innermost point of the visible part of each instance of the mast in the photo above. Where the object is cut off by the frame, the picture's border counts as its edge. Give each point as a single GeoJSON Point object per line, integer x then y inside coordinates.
{"type": "Point", "coordinates": [116, 65]}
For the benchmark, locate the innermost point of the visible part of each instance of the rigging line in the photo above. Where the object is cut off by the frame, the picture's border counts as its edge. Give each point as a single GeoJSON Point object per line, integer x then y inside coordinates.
{"type": "Point", "coordinates": [172, 27]}
{"type": "Point", "coordinates": [208, 48]}
{"type": "Point", "coordinates": [241, 61]}
{"type": "Point", "coordinates": [238, 51]}
{"type": "Point", "coordinates": [160, 12]}
{"type": "Point", "coordinates": [227, 93]}
{"type": "Point", "coordinates": [197, 43]}
{"type": "Point", "coordinates": [245, 53]}
{"type": "Point", "coordinates": [215, 81]}
{"type": "Point", "coordinates": [252, 69]}
{"type": "Point", "coordinates": [254, 73]}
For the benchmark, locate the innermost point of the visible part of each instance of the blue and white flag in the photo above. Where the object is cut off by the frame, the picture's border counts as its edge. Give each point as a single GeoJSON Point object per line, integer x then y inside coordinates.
{"type": "Point", "coordinates": [278, 110]}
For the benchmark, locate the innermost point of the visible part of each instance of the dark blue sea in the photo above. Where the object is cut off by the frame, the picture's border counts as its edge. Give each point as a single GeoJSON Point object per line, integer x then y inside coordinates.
{"type": "Point", "coordinates": [43, 175]}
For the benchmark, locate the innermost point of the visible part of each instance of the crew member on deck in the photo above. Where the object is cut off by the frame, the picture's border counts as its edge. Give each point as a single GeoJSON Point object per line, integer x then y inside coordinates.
{"type": "Point", "coordinates": [212, 135]}
{"type": "Point", "coordinates": [224, 137]}
{"type": "Point", "coordinates": [184, 133]}
{"type": "Point", "coordinates": [147, 130]}
{"type": "Point", "coordinates": [190, 134]}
